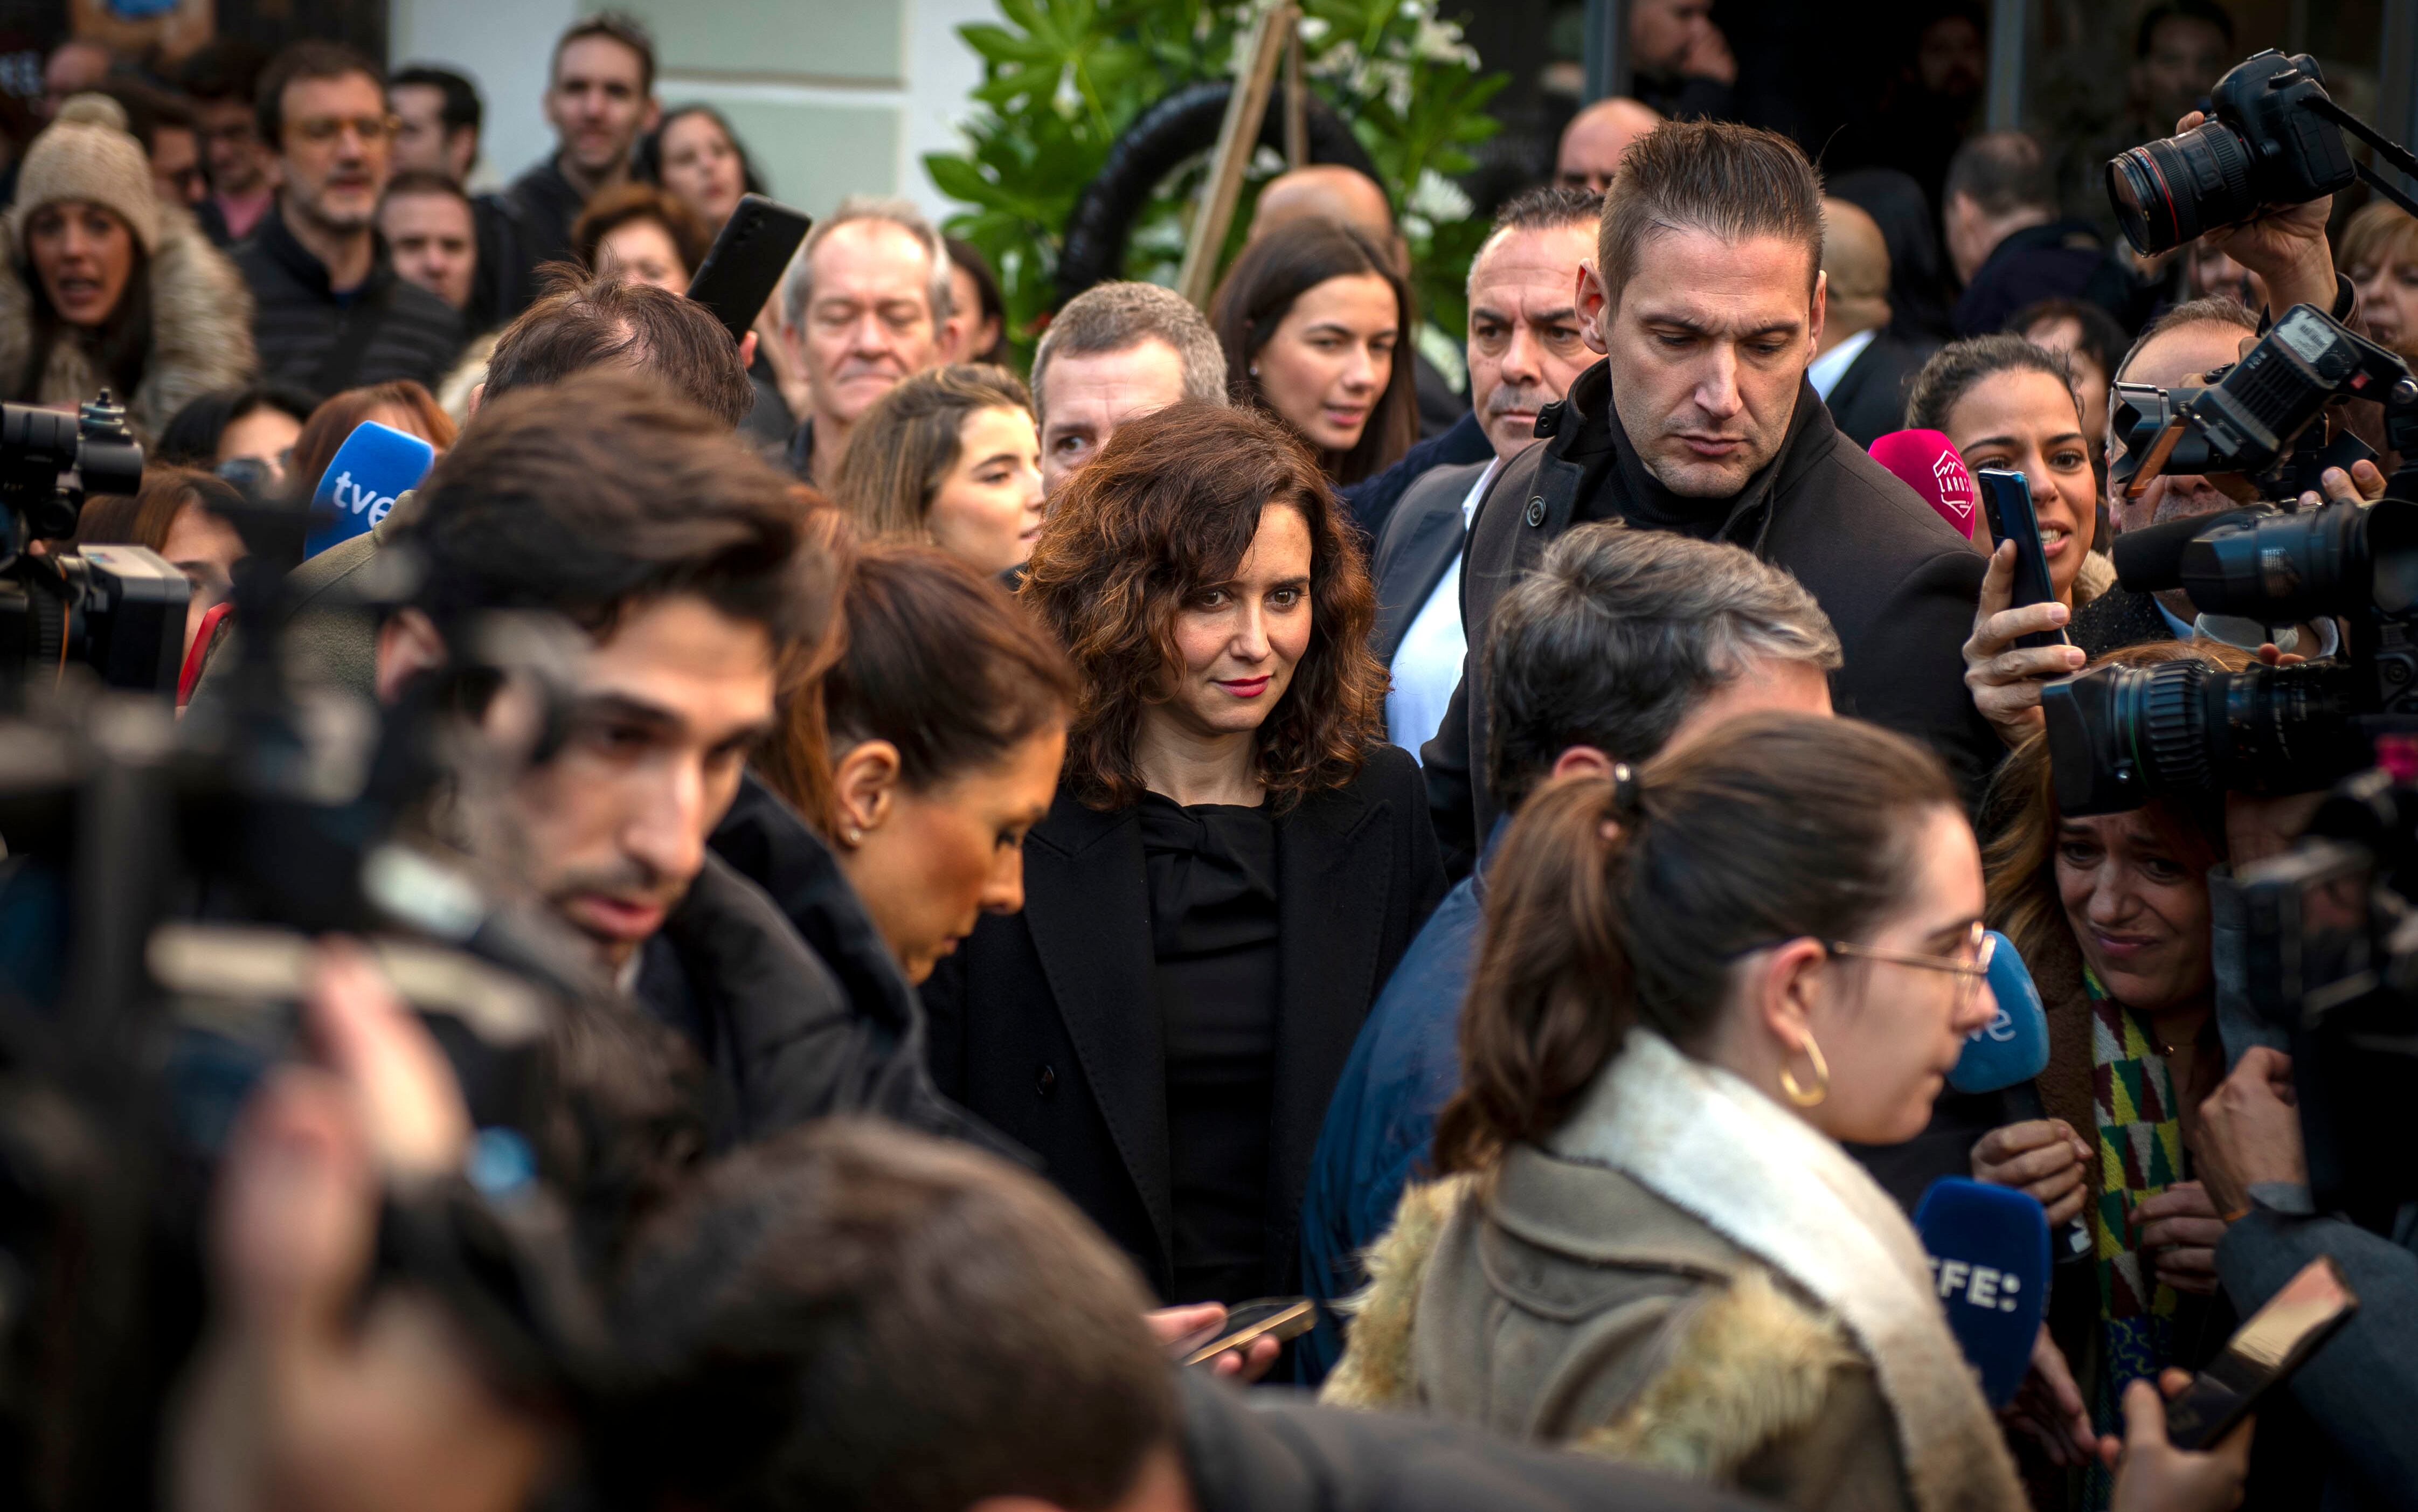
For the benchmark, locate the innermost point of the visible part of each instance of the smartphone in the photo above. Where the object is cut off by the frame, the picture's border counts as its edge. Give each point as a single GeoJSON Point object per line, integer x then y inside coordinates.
{"type": "Point", "coordinates": [746, 264]}
{"type": "Point", "coordinates": [2007, 503]}
{"type": "Point", "coordinates": [1247, 1322]}
{"type": "Point", "coordinates": [2277, 1341]}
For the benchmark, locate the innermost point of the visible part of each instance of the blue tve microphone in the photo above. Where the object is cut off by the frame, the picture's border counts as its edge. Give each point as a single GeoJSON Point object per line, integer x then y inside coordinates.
{"type": "Point", "coordinates": [1989, 1263]}
{"type": "Point", "coordinates": [2006, 1053]}
{"type": "Point", "coordinates": [2013, 1047]}
{"type": "Point", "coordinates": [375, 464]}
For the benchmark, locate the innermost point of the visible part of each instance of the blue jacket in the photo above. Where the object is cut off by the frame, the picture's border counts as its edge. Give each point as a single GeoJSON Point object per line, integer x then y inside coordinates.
{"type": "Point", "coordinates": [1381, 1121]}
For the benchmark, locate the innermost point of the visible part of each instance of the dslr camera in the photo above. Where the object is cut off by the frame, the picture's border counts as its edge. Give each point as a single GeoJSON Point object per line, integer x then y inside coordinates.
{"type": "Point", "coordinates": [118, 610]}
{"type": "Point", "coordinates": [2273, 139]}
{"type": "Point", "coordinates": [2119, 736]}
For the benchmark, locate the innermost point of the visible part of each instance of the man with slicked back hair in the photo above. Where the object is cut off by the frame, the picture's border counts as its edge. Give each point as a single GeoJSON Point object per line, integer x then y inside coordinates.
{"type": "Point", "coordinates": [1706, 295]}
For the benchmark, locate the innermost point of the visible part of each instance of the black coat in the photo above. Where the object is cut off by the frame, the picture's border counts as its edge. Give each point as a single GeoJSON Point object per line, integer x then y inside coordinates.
{"type": "Point", "coordinates": [2058, 260]}
{"type": "Point", "coordinates": [1045, 1023]}
{"type": "Point", "coordinates": [1273, 1451]}
{"type": "Point", "coordinates": [388, 330]}
{"type": "Point", "coordinates": [1869, 400]}
{"type": "Point", "coordinates": [545, 206]}
{"type": "Point", "coordinates": [1898, 585]}
{"type": "Point", "coordinates": [792, 1030]}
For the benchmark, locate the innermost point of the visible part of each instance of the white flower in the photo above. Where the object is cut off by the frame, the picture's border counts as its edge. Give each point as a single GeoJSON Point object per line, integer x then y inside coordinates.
{"type": "Point", "coordinates": [1439, 41]}
{"type": "Point", "coordinates": [1313, 29]}
{"type": "Point", "coordinates": [1438, 198]}
{"type": "Point", "coordinates": [1067, 100]}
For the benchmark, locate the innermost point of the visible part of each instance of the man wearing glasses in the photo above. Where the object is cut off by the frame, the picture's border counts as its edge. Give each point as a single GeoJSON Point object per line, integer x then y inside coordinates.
{"type": "Point", "coordinates": [330, 314]}
{"type": "Point", "coordinates": [1525, 348]}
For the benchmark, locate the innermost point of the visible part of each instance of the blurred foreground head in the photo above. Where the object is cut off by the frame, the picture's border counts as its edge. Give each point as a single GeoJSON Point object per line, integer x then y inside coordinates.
{"type": "Point", "coordinates": [854, 1317]}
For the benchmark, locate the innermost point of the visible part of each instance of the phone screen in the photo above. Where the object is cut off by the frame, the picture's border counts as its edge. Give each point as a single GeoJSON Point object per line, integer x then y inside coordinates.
{"type": "Point", "coordinates": [2006, 504]}
{"type": "Point", "coordinates": [2276, 1340]}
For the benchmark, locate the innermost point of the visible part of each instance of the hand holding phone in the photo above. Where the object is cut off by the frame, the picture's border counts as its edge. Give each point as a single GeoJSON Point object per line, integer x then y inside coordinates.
{"type": "Point", "coordinates": [749, 255]}
{"type": "Point", "coordinates": [2006, 504]}
{"type": "Point", "coordinates": [1247, 1322]}
{"type": "Point", "coordinates": [2279, 1339]}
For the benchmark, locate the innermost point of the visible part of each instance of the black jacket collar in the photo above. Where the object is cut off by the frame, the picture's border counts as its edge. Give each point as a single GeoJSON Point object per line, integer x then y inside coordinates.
{"type": "Point", "coordinates": [275, 239]}
{"type": "Point", "coordinates": [771, 964]}
{"type": "Point", "coordinates": [547, 186]}
{"type": "Point", "coordinates": [1583, 433]}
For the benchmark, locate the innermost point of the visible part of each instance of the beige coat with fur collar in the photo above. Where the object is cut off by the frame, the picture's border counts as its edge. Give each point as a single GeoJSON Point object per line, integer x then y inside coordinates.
{"type": "Point", "coordinates": [1568, 1304]}
{"type": "Point", "coordinates": [201, 332]}
{"type": "Point", "coordinates": [1685, 1275]}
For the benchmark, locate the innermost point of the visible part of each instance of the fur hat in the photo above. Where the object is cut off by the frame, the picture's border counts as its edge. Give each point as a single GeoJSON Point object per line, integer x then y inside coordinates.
{"type": "Point", "coordinates": [86, 154]}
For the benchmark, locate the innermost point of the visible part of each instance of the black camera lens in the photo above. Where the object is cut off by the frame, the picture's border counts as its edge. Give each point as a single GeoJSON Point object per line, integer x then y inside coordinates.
{"type": "Point", "coordinates": [2280, 568]}
{"type": "Point", "coordinates": [2166, 192]}
{"type": "Point", "coordinates": [2119, 736]}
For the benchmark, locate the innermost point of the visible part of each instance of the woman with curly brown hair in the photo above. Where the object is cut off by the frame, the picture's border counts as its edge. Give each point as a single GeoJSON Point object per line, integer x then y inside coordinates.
{"type": "Point", "coordinates": [1233, 865]}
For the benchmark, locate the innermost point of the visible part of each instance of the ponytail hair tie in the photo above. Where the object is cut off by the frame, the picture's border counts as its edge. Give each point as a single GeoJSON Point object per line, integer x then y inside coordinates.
{"type": "Point", "coordinates": [1627, 792]}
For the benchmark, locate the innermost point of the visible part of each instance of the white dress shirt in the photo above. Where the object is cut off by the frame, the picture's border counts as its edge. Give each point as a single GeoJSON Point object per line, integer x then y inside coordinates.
{"type": "Point", "coordinates": [1826, 371]}
{"type": "Point", "coordinates": [1427, 664]}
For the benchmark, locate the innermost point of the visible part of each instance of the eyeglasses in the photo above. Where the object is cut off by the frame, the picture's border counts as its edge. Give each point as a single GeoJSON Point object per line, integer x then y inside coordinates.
{"type": "Point", "coordinates": [319, 130]}
{"type": "Point", "coordinates": [1971, 965]}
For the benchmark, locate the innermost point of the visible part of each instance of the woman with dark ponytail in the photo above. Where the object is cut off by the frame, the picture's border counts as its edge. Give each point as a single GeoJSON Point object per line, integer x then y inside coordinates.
{"type": "Point", "coordinates": [1698, 980]}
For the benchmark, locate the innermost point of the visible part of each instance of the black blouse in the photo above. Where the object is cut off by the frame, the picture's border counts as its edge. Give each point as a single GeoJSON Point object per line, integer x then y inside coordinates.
{"type": "Point", "coordinates": [1213, 909]}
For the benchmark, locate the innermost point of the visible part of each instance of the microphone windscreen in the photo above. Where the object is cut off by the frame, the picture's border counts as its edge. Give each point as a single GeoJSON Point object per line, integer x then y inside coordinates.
{"type": "Point", "coordinates": [2151, 560]}
{"type": "Point", "coordinates": [375, 464]}
{"type": "Point", "coordinates": [2013, 1047]}
{"type": "Point", "coordinates": [1927, 462]}
{"type": "Point", "coordinates": [1989, 1263]}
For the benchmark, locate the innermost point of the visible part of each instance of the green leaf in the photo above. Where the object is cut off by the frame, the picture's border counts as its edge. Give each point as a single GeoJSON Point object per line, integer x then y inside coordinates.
{"type": "Point", "coordinates": [959, 179]}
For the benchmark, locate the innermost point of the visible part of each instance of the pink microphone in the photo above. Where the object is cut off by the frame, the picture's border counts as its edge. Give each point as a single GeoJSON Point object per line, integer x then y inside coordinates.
{"type": "Point", "coordinates": [1929, 464]}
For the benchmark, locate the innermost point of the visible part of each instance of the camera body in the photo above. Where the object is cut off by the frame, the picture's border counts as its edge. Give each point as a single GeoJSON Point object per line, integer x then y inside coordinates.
{"type": "Point", "coordinates": [2268, 145]}
{"type": "Point", "coordinates": [2119, 736]}
{"type": "Point", "coordinates": [2251, 420]}
{"type": "Point", "coordinates": [120, 610]}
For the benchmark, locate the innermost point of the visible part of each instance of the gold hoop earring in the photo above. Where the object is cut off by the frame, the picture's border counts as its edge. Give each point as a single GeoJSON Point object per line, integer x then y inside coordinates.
{"type": "Point", "coordinates": [1801, 1096]}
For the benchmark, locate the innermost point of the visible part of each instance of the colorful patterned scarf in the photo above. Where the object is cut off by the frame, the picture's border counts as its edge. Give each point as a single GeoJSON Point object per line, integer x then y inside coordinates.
{"type": "Point", "coordinates": [2140, 1138]}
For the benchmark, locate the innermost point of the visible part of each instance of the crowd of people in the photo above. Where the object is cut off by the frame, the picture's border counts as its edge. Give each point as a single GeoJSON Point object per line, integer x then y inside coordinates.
{"type": "Point", "coordinates": [1049, 856]}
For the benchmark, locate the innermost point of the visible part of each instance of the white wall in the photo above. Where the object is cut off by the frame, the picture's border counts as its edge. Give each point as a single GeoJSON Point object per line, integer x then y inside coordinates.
{"type": "Point", "coordinates": [503, 46]}
{"type": "Point", "coordinates": [821, 133]}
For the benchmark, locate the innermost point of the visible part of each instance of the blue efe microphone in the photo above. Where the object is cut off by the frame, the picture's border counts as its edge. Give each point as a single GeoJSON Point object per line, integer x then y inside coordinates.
{"type": "Point", "coordinates": [376, 465]}
{"type": "Point", "coordinates": [1989, 1262]}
